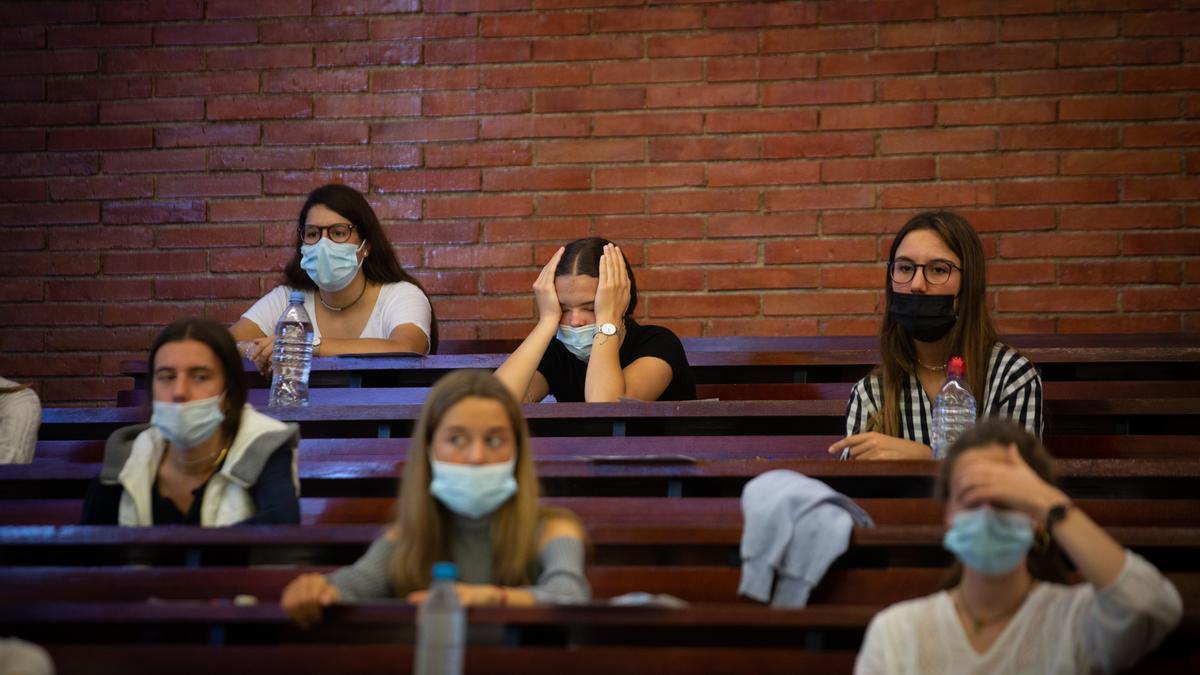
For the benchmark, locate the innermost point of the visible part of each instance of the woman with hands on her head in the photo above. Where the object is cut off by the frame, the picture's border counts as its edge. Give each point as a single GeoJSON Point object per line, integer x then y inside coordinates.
{"type": "Point", "coordinates": [936, 308]}
{"type": "Point", "coordinates": [358, 296]}
{"type": "Point", "coordinates": [586, 345]}
{"type": "Point", "coordinates": [469, 495]}
{"type": "Point", "coordinates": [1005, 608]}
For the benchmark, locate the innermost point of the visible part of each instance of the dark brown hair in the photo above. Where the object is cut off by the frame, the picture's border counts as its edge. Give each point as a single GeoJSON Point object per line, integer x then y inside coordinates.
{"type": "Point", "coordinates": [217, 338]}
{"type": "Point", "coordinates": [582, 256]}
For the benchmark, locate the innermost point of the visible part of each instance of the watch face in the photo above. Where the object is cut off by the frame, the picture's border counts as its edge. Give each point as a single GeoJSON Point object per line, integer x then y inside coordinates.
{"type": "Point", "coordinates": [608, 329]}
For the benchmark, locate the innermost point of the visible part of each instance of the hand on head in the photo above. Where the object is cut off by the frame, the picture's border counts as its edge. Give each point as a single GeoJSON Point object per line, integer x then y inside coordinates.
{"type": "Point", "coordinates": [612, 291]}
{"type": "Point", "coordinates": [1002, 478]}
{"type": "Point", "coordinates": [544, 294]}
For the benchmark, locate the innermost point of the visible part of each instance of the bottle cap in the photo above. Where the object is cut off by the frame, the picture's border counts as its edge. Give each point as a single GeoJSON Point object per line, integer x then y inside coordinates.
{"type": "Point", "coordinates": [956, 367]}
{"type": "Point", "coordinates": [445, 571]}
{"type": "Point", "coordinates": [296, 296]}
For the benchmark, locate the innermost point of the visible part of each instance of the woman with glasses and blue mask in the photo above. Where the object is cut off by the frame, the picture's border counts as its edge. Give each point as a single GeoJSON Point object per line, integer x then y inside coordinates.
{"type": "Point", "coordinates": [358, 296]}
{"type": "Point", "coordinates": [206, 457]}
{"type": "Point", "coordinates": [586, 345]}
{"type": "Point", "coordinates": [1005, 608]}
{"type": "Point", "coordinates": [469, 495]}
{"type": "Point", "coordinates": [936, 308]}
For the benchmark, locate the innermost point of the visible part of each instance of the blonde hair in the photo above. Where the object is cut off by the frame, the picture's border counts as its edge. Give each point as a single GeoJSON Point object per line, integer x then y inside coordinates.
{"type": "Point", "coordinates": [422, 522]}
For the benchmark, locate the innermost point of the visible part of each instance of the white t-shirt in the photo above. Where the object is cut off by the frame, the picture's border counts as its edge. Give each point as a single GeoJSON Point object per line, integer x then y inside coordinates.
{"type": "Point", "coordinates": [1059, 629]}
{"type": "Point", "coordinates": [397, 304]}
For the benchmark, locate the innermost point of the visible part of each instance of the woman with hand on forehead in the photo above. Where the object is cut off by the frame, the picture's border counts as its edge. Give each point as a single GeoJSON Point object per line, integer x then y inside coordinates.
{"type": "Point", "coordinates": [586, 345]}
{"type": "Point", "coordinates": [936, 308]}
{"type": "Point", "coordinates": [358, 296]}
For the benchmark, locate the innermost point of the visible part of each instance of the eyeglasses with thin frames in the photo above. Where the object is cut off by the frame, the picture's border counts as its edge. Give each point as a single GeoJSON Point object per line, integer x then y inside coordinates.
{"type": "Point", "coordinates": [338, 234]}
{"type": "Point", "coordinates": [936, 272]}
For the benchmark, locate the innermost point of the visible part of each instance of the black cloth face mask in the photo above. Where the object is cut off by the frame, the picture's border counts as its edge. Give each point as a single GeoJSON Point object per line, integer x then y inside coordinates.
{"type": "Point", "coordinates": [927, 318]}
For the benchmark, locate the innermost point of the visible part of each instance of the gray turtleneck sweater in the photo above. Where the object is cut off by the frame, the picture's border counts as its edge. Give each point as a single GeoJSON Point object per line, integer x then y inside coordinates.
{"type": "Point", "coordinates": [560, 566]}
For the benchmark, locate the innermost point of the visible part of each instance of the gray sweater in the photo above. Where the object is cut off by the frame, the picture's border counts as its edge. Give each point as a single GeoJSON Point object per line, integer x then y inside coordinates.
{"type": "Point", "coordinates": [560, 566]}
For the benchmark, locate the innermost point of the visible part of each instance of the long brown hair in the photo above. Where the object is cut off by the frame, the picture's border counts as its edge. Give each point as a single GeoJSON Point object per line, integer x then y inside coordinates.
{"type": "Point", "coordinates": [972, 336]}
{"type": "Point", "coordinates": [1045, 560]}
{"type": "Point", "coordinates": [217, 338]}
{"type": "Point", "coordinates": [423, 523]}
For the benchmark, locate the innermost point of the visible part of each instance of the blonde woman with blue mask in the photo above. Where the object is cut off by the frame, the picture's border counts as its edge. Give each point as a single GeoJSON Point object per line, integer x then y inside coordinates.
{"type": "Point", "coordinates": [586, 346]}
{"type": "Point", "coordinates": [469, 495]}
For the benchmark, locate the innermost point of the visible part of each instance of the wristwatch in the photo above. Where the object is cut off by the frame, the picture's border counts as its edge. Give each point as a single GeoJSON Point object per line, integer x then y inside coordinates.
{"type": "Point", "coordinates": [1056, 514]}
{"type": "Point", "coordinates": [316, 345]}
{"type": "Point", "coordinates": [609, 329]}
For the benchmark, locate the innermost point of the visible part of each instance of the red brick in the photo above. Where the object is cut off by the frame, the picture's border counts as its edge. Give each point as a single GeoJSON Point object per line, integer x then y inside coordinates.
{"type": "Point", "coordinates": [260, 107]}
{"type": "Point", "coordinates": [49, 164]}
{"type": "Point", "coordinates": [236, 159]}
{"type": "Point", "coordinates": [96, 238]}
{"type": "Point", "coordinates": [151, 314]}
{"type": "Point", "coordinates": [81, 390]}
{"type": "Point", "coordinates": [23, 290]}
{"type": "Point", "coordinates": [1108, 273]}
{"type": "Point", "coordinates": [1057, 300]}
{"type": "Point", "coordinates": [589, 99]}
{"type": "Point", "coordinates": [649, 124]}
{"type": "Point", "coordinates": [756, 225]}
{"type": "Point", "coordinates": [207, 288]}
{"type": "Point", "coordinates": [485, 308]}
{"type": "Point", "coordinates": [986, 59]}
{"type": "Point", "coordinates": [478, 257]}
{"type": "Point", "coordinates": [1161, 23]}
{"type": "Point", "coordinates": [816, 39]}
{"type": "Point", "coordinates": [479, 154]}
{"type": "Point", "coordinates": [423, 26]}
{"type": "Point", "coordinates": [1119, 163]}
{"type": "Point", "coordinates": [702, 253]}
{"type": "Point", "coordinates": [876, 170]}
{"type": "Point", "coordinates": [361, 7]}
{"type": "Point", "coordinates": [302, 81]}
{"type": "Point", "coordinates": [658, 175]}
{"type": "Point", "coordinates": [1010, 220]}
{"type": "Point", "coordinates": [199, 236]}
{"type": "Point", "coordinates": [763, 173]}
{"type": "Point", "coordinates": [154, 161]}
{"type": "Point", "coordinates": [16, 13]}
{"type": "Point", "coordinates": [535, 179]}
{"type": "Point", "coordinates": [589, 151]}
{"type": "Point", "coordinates": [99, 138]}
{"type": "Point", "coordinates": [701, 96]}
{"type": "Point", "coordinates": [1120, 108]}
{"type": "Point", "coordinates": [61, 364]}
{"type": "Point", "coordinates": [989, 8]}
{"type": "Point", "coordinates": [258, 58]}
{"type": "Point", "coordinates": [529, 126]}
{"type": "Point", "coordinates": [953, 114]}
{"type": "Point", "coordinates": [155, 262]}
{"type": "Point", "coordinates": [154, 211]}
{"type": "Point", "coordinates": [472, 51]}
{"type": "Point", "coordinates": [238, 9]}
{"type": "Point", "coordinates": [303, 182]}
{"type": "Point", "coordinates": [1159, 299]}
{"type": "Point", "coordinates": [23, 37]}
{"type": "Point", "coordinates": [23, 89]}
{"type": "Point", "coordinates": [315, 133]}
{"type": "Point", "coordinates": [1125, 52]}
{"type": "Point", "coordinates": [624, 228]}
{"type": "Point", "coordinates": [877, 11]}
{"type": "Point", "coordinates": [779, 67]}
{"type": "Point", "coordinates": [224, 33]}
{"type": "Point", "coordinates": [96, 88]}
{"type": "Point", "coordinates": [760, 326]}
{"type": "Point", "coordinates": [608, 47]}
{"type": "Point", "coordinates": [934, 34]}
{"type": "Point", "coordinates": [564, 75]}
{"type": "Point", "coordinates": [1057, 136]}
{"type": "Point", "coordinates": [1160, 189]}
{"type": "Point", "coordinates": [998, 166]}
{"type": "Point", "coordinates": [207, 135]}
{"type": "Point", "coordinates": [157, 60]}
{"type": "Point", "coordinates": [41, 314]}
{"type": "Point", "coordinates": [589, 203]}
{"type": "Point", "coordinates": [80, 37]}
{"type": "Point", "coordinates": [99, 289]}
{"type": "Point", "coordinates": [425, 130]}
{"type": "Point", "coordinates": [712, 200]}
{"type": "Point", "coordinates": [760, 120]}
{"type": "Point", "coordinates": [22, 140]}
{"type": "Point", "coordinates": [252, 210]}
{"type": "Point", "coordinates": [1158, 243]}
{"type": "Point", "coordinates": [936, 195]}
{"type": "Point", "coordinates": [811, 93]}
{"type": "Point", "coordinates": [666, 70]}
{"type": "Point", "coordinates": [450, 283]}
{"type": "Point", "coordinates": [1020, 273]}
{"type": "Point", "coordinates": [32, 190]}
{"type": "Point", "coordinates": [823, 249]}
{"type": "Point", "coordinates": [936, 141]}
{"type": "Point", "coordinates": [540, 23]}
{"type": "Point", "coordinates": [1191, 271]}
{"type": "Point", "coordinates": [479, 206]}
{"type": "Point", "coordinates": [1068, 27]}
{"type": "Point", "coordinates": [22, 340]}
{"type": "Point", "coordinates": [47, 214]}
{"type": "Point", "coordinates": [941, 87]}
{"type": "Point", "coordinates": [876, 63]}
{"type": "Point", "coordinates": [124, 112]}
{"type": "Point", "coordinates": [209, 185]}
{"type": "Point", "coordinates": [327, 30]}
{"type": "Point", "coordinates": [701, 305]}
{"type": "Point", "coordinates": [652, 19]}
{"type": "Point", "coordinates": [1058, 82]}
{"type": "Point", "coordinates": [1120, 217]}
{"type": "Point", "coordinates": [138, 10]}
{"type": "Point", "coordinates": [557, 229]}
{"type": "Point", "coordinates": [669, 279]}
{"type": "Point", "coordinates": [425, 180]}
{"type": "Point", "coordinates": [475, 103]}
{"type": "Point", "coordinates": [259, 260]}
{"type": "Point", "coordinates": [47, 114]}
{"type": "Point", "coordinates": [424, 79]}
{"type": "Point", "coordinates": [1161, 79]}
{"type": "Point", "coordinates": [820, 302]}
{"type": "Point", "coordinates": [754, 278]}
{"type": "Point", "coordinates": [750, 15]}
{"type": "Point", "coordinates": [694, 149]}
{"type": "Point", "coordinates": [837, 197]}
{"type": "Point", "coordinates": [1056, 192]}
{"type": "Point", "coordinates": [370, 157]}
{"type": "Point", "coordinates": [860, 326]}
{"type": "Point", "coordinates": [713, 44]}
{"type": "Point", "coordinates": [1057, 245]}
{"type": "Point", "coordinates": [37, 63]}
{"type": "Point", "coordinates": [1119, 324]}
{"type": "Point", "coordinates": [854, 276]}
{"type": "Point", "coordinates": [821, 145]}
{"type": "Point", "coordinates": [374, 54]}
{"type": "Point", "coordinates": [878, 117]}
{"type": "Point", "coordinates": [397, 208]}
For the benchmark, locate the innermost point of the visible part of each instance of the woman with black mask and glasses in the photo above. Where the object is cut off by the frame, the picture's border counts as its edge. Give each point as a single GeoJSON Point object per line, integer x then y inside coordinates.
{"type": "Point", "coordinates": [936, 308]}
{"type": "Point", "coordinates": [359, 297]}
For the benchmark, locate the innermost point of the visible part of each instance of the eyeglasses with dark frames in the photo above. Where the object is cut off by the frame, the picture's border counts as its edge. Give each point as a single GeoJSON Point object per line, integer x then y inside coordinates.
{"type": "Point", "coordinates": [338, 234]}
{"type": "Point", "coordinates": [936, 272]}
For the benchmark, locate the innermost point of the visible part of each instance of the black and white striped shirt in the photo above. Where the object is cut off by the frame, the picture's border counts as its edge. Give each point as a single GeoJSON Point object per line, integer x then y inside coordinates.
{"type": "Point", "coordinates": [1013, 391]}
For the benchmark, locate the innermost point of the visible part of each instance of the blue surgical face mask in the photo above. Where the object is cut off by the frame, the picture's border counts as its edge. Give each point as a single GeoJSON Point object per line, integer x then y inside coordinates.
{"type": "Point", "coordinates": [578, 341]}
{"type": "Point", "coordinates": [989, 541]}
{"type": "Point", "coordinates": [473, 490]}
{"type": "Point", "coordinates": [187, 425]}
{"type": "Point", "coordinates": [331, 266]}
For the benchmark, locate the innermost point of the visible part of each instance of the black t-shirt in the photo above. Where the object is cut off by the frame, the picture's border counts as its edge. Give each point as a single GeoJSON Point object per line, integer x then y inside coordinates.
{"type": "Point", "coordinates": [566, 374]}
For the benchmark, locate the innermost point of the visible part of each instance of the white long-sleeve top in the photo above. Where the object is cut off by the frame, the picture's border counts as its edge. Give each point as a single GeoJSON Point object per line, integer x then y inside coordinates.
{"type": "Point", "coordinates": [1059, 629]}
{"type": "Point", "coordinates": [20, 417]}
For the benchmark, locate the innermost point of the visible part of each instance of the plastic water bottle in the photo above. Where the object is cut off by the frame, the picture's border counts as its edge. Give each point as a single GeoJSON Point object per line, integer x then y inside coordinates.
{"type": "Point", "coordinates": [953, 409]}
{"type": "Point", "coordinates": [441, 626]}
{"type": "Point", "coordinates": [292, 358]}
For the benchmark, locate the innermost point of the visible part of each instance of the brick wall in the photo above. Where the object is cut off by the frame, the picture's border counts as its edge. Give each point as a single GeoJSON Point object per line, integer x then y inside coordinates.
{"type": "Point", "coordinates": [751, 158]}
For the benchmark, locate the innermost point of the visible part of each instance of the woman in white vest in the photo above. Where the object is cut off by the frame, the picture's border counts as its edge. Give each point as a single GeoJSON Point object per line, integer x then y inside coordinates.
{"type": "Point", "coordinates": [206, 457]}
